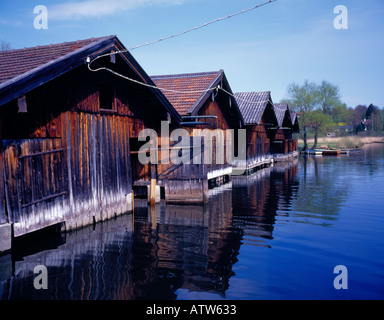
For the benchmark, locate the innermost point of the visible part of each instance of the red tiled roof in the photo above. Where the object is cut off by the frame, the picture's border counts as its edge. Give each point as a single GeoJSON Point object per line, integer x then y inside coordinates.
{"type": "Point", "coordinates": [183, 101]}
{"type": "Point", "coordinates": [18, 61]}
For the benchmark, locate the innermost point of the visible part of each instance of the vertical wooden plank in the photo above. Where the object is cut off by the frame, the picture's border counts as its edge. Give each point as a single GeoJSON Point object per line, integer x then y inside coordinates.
{"type": "Point", "coordinates": [118, 157]}
{"type": "Point", "coordinates": [77, 158]}
{"type": "Point", "coordinates": [126, 155]}
{"type": "Point", "coordinates": [85, 165]}
{"type": "Point", "coordinates": [112, 149]}
{"type": "Point", "coordinates": [67, 119]}
{"type": "Point", "coordinates": [80, 139]}
{"type": "Point", "coordinates": [103, 159]}
{"type": "Point", "coordinates": [113, 163]}
{"type": "Point", "coordinates": [92, 161]}
{"type": "Point", "coordinates": [25, 174]}
{"type": "Point", "coordinates": [54, 160]}
{"type": "Point", "coordinates": [99, 134]}
{"type": "Point", "coordinates": [46, 145]}
{"type": "Point", "coordinates": [110, 178]}
{"type": "Point", "coordinates": [11, 189]}
{"type": "Point", "coordinates": [3, 216]}
{"type": "Point", "coordinates": [38, 168]}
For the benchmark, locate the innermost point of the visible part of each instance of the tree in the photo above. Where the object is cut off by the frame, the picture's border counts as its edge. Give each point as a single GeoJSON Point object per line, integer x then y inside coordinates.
{"type": "Point", "coordinates": [374, 121]}
{"type": "Point", "coordinates": [303, 99]}
{"type": "Point", "coordinates": [342, 114]}
{"type": "Point", "coordinates": [382, 117]}
{"type": "Point", "coordinates": [320, 122]}
{"type": "Point", "coordinates": [5, 46]}
{"type": "Point", "coordinates": [329, 96]}
{"type": "Point", "coordinates": [359, 114]}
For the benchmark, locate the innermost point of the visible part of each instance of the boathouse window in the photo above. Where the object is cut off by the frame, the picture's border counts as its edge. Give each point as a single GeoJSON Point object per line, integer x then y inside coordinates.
{"type": "Point", "coordinates": [106, 97]}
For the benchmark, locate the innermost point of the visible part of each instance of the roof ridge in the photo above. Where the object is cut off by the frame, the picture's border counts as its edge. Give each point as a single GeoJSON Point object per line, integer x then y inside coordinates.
{"type": "Point", "coordinates": [250, 92]}
{"type": "Point", "coordinates": [186, 75]}
{"type": "Point", "coordinates": [60, 44]}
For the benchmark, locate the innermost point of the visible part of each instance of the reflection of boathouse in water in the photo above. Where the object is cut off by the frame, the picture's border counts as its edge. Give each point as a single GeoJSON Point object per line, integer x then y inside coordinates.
{"type": "Point", "coordinates": [157, 251]}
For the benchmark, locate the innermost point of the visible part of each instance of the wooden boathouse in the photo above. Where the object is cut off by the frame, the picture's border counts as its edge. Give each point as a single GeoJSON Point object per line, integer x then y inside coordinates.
{"type": "Point", "coordinates": [203, 107]}
{"type": "Point", "coordinates": [67, 134]}
{"type": "Point", "coordinates": [70, 138]}
{"type": "Point", "coordinates": [283, 145]}
{"type": "Point", "coordinates": [259, 119]}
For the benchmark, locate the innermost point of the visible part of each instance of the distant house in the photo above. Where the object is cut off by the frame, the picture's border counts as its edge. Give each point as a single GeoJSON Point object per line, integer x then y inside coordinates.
{"type": "Point", "coordinates": [259, 120]}
{"type": "Point", "coordinates": [203, 108]}
{"type": "Point", "coordinates": [345, 128]}
{"type": "Point", "coordinates": [66, 132]}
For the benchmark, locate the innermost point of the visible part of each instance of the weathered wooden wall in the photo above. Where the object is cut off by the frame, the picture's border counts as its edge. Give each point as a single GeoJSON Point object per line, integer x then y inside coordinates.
{"type": "Point", "coordinates": [80, 178]}
{"type": "Point", "coordinates": [35, 185]}
{"type": "Point", "coordinates": [96, 159]}
{"type": "Point", "coordinates": [213, 108]}
{"type": "Point", "coordinates": [258, 144]}
{"type": "Point", "coordinates": [99, 167]}
{"type": "Point", "coordinates": [278, 143]}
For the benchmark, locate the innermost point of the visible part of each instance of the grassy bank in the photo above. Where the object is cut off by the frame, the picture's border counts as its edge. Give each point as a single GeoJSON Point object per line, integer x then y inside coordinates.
{"type": "Point", "coordinates": [343, 142]}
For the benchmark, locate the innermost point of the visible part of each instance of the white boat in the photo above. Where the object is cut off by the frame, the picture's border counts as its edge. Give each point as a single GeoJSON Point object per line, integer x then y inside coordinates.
{"type": "Point", "coordinates": [314, 152]}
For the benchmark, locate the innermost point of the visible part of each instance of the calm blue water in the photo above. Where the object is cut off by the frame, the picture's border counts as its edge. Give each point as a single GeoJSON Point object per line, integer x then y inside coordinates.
{"type": "Point", "coordinates": [277, 234]}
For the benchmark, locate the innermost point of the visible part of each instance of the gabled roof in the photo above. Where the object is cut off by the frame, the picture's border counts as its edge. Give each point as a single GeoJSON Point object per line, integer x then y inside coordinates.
{"type": "Point", "coordinates": [253, 104]}
{"type": "Point", "coordinates": [187, 102]}
{"type": "Point", "coordinates": [23, 70]}
{"type": "Point", "coordinates": [16, 62]}
{"type": "Point", "coordinates": [295, 122]}
{"type": "Point", "coordinates": [192, 90]}
{"type": "Point", "coordinates": [282, 111]}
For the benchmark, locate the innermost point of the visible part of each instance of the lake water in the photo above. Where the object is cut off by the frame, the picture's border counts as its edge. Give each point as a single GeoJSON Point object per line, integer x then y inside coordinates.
{"type": "Point", "coordinates": [277, 234]}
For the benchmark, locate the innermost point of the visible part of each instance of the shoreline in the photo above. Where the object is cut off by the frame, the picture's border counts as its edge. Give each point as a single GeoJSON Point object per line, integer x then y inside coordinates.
{"type": "Point", "coordinates": [349, 142]}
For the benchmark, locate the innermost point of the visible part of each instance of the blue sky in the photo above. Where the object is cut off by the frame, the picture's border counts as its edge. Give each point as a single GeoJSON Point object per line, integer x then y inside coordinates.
{"type": "Point", "coordinates": [265, 49]}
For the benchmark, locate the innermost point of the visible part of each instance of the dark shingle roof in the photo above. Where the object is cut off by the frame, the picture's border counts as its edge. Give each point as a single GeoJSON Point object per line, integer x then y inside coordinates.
{"type": "Point", "coordinates": [252, 105]}
{"type": "Point", "coordinates": [280, 111]}
{"type": "Point", "coordinates": [16, 62]}
{"type": "Point", "coordinates": [183, 101]}
{"type": "Point", "coordinates": [295, 122]}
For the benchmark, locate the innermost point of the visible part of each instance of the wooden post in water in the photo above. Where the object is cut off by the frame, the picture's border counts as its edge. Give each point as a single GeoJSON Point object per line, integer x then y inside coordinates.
{"type": "Point", "coordinates": [153, 217]}
{"type": "Point", "coordinates": [133, 211]}
{"type": "Point", "coordinates": [153, 186]}
{"type": "Point", "coordinates": [133, 202]}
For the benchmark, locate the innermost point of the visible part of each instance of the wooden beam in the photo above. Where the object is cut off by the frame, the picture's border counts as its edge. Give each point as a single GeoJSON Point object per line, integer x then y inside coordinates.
{"type": "Point", "coordinates": [153, 185]}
